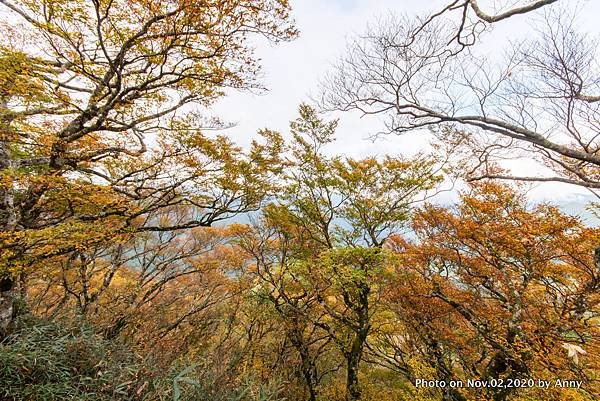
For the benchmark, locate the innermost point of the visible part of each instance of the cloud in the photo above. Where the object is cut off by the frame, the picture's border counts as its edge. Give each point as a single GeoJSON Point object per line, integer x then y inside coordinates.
{"type": "Point", "coordinates": [293, 70]}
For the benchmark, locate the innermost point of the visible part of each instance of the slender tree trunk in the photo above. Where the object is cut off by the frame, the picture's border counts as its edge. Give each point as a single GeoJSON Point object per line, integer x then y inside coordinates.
{"type": "Point", "coordinates": [354, 356]}
{"type": "Point", "coordinates": [352, 388]}
{"type": "Point", "coordinates": [308, 365]}
{"type": "Point", "coordinates": [310, 376]}
{"type": "Point", "coordinates": [353, 359]}
{"type": "Point", "coordinates": [9, 285]}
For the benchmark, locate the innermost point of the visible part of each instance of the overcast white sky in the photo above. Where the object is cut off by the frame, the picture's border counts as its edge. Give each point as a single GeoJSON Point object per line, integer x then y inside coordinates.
{"type": "Point", "coordinates": [292, 72]}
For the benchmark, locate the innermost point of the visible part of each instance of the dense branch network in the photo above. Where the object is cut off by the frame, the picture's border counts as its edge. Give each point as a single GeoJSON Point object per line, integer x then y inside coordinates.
{"type": "Point", "coordinates": [101, 107]}
{"type": "Point", "coordinates": [540, 101]}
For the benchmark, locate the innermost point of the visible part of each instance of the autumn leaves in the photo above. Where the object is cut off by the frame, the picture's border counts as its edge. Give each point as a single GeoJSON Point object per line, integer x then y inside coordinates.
{"type": "Point", "coordinates": [336, 283]}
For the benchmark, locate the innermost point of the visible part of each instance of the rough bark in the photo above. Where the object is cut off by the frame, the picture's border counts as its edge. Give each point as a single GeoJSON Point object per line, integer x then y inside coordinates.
{"type": "Point", "coordinates": [9, 294]}
{"type": "Point", "coordinates": [354, 356]}
{"type": "Point", "coordinates": [9, 287]}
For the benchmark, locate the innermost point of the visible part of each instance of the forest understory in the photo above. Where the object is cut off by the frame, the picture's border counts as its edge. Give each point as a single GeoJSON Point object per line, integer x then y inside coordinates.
{"type": "Point", "coordinates": [145, 256]}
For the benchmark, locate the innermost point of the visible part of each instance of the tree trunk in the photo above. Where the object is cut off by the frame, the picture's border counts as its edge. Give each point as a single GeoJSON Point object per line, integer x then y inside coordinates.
{"type": "Point", "coordinates": [9, 294]}
{"type": "Point", "coordinates": [309, 371]}
{"type": "Point", "coordinates": [308, 362]}
{"type": "Point", "coordinates": [354, 356]}
{"type": "Point", "coordinates": [9, 286]}
{"type": "Point", "coordinates": [352, 388]}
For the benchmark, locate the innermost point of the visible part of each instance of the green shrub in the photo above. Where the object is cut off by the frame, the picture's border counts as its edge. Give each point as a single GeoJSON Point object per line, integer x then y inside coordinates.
{"type": "Point", "coordinates": [47, 361]}
{"type": "Point", "coordinates": [59, 361]}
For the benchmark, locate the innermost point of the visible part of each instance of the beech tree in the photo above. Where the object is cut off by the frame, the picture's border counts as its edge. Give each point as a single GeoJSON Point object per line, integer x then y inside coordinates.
{"type": "Point", "coordinates": [496, 289]}
{"type": "Point", "coordinates": [327, 228]}
{"type": "Point", "coordinates": [539, 99]}
{"type": "Point", "coordinates": [115, 196]}
{"type": "Point", "coordinates": [101, 107]}
{"type": "Point", "coordinates": [274, 253]}
{"type": "Point", "coordinates": [113, 285]}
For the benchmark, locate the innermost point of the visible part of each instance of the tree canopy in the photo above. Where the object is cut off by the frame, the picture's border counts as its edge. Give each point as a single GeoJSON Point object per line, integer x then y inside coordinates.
{"type": "Point", "coordinates": [145, 255]}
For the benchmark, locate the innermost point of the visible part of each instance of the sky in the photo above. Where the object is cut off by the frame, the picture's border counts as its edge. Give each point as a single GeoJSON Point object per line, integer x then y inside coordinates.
{"type": "Point", "coordinates": [292, 72]}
